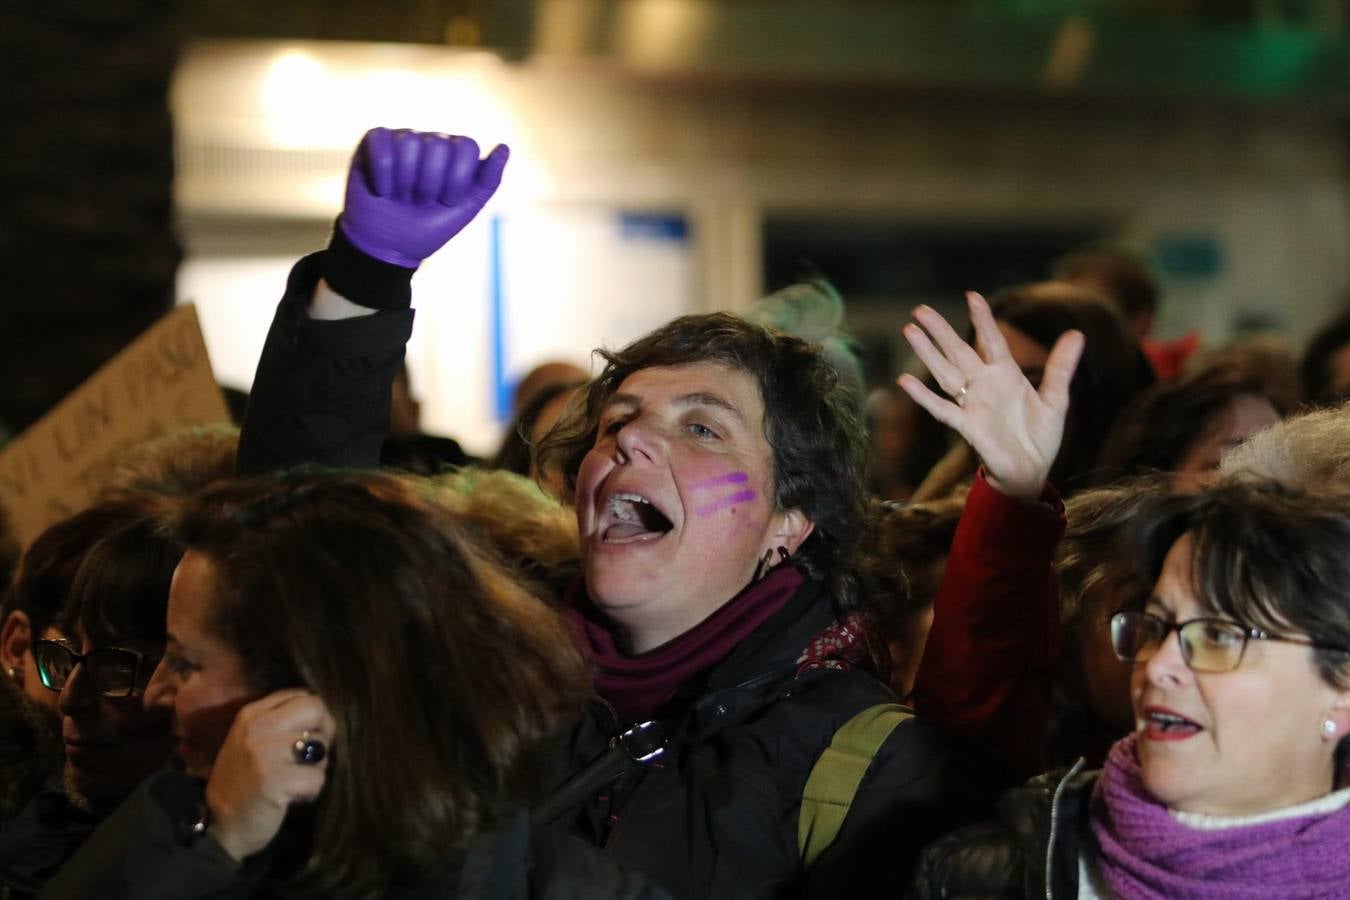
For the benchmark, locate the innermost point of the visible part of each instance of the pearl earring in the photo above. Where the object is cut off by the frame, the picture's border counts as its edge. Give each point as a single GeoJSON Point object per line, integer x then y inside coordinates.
{"type": "Point", "coordinates": [1328, 727]}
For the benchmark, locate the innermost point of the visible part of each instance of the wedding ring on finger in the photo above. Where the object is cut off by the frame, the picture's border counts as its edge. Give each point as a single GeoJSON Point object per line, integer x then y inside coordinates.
{"type": "Point", "coordinates": [960, 396]}
{"type": "Point", "coordinates": [308, 751]}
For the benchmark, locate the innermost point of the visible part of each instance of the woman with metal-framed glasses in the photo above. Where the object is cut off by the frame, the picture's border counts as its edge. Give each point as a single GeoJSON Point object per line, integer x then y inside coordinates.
{"type": "Point", "coordinates": [1241, 694]}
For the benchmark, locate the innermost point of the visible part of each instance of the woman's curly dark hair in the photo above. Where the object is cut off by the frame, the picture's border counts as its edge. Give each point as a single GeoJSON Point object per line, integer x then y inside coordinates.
{"type": "Point", "coordinates": [812, 420]}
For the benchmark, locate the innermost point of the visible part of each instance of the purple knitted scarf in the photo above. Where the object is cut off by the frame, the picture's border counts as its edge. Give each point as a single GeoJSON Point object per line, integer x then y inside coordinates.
{"type": "Point", "coordinates": [1146, 853]}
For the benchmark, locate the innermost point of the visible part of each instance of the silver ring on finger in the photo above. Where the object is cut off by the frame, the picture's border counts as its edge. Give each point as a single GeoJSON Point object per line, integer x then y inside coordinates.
{"type": "Point", "coordinates": [308, 751]}
{"type": "Point", "coordinates": [960, 396]}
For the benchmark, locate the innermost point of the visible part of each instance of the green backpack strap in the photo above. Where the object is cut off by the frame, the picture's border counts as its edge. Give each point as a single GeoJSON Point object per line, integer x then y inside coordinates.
{"type": "Point", "coordinates": [835, 777]}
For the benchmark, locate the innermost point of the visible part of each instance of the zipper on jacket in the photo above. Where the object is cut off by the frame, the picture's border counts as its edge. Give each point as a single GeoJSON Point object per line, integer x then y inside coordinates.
{"type": "Point", "coordinates": [1054, 826]}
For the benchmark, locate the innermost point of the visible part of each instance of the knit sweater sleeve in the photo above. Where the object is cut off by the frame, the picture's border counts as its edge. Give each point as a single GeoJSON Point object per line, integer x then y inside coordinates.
{"type": "Point", "coordinates": [987, 666]}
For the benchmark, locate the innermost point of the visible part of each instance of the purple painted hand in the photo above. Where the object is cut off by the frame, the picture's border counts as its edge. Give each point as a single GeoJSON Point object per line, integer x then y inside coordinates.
{"type": "Point", "coordinates": [408, 192]}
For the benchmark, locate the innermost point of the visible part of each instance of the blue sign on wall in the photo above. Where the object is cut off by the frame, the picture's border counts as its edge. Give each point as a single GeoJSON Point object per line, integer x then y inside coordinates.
{"type": "Point", "coordinates": [1189, 255]}
{"type": "Point", "coordinates": [653, 226]}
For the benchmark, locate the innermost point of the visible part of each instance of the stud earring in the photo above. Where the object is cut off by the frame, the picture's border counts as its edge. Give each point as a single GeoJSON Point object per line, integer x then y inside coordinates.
{"type": "Point", "coordinates": [1328, 727]}
{"type": "Point", "coordinates": [14, 675]}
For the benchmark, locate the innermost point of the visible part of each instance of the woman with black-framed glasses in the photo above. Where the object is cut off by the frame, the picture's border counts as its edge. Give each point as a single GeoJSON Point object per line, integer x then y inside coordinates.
{"type": "Point", "coordinates": [115, 623]}
{"type": "Point", "coordinates": [114, 672]}
{"type": "Point", "coordinates": [1241, 691]}
{"type": "Point", "coordinates": [112, 628]}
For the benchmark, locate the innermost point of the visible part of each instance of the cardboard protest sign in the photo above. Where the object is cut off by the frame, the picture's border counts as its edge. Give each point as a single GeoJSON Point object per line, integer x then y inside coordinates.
{"type": "Point", "coordinates": [160, 381]}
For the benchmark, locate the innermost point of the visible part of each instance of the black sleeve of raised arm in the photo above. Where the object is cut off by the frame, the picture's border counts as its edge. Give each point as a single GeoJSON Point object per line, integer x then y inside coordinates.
{"type": "Point", "coordinates": [321, 392]}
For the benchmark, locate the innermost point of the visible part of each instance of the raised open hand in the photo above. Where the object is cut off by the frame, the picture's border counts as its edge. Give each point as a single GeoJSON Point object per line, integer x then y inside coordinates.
{"type": "Point", "coordinates": [1015, 428]}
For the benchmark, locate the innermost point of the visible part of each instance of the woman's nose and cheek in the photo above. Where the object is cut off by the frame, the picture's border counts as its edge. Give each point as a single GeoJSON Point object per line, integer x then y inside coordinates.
{"type": "Point", "coordinates": [159, 692]}
{"type": "Point", "coordinates": [1165, 671]}
{"type": "Point", "coordinates": [1167, 666]}
{"type": "Point", "coordinates": [640, 438]}
{"type": "Point", "coordinates": [77, 693]}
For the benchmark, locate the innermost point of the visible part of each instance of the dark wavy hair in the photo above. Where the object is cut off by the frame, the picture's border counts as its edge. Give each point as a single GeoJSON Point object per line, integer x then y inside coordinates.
{"type": "Point", "coordinates": [1117, 273]}
{"type": "Point", "coordinates": [1315, 372]}
{"type": "Point", "coordinates": [43, 585]}
{"type": "Point", "coordinates": [120, 589]}
{"type": "Point", "coordinates": [515, 451]}
{"type": "Point", "coordinates": [1090, 565]}
{"type": "Point", "coordinates": [812, 420]}
{"type": "Point", "coordinates": [1265, 555]}
{"type": "Point", "coordinates": [1159, 426]}
{"type": "Point", "coordinates": [446, 678]}
{"type": "Point", "coordinates": [901, 558]}
{"type": "Point", "coordinates": [899, 564]}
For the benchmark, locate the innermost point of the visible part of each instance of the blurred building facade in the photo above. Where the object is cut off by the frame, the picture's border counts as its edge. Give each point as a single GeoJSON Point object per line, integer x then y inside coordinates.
{"type": "Point", "coordinates": [674, 155]}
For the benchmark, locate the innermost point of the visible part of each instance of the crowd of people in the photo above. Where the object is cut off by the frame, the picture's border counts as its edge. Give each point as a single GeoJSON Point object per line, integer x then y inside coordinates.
{"type": "Point", "coordinates": [1065, 614]}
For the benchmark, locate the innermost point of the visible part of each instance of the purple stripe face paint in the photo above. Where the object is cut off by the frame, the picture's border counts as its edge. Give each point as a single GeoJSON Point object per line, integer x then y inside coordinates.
{"type": "Point", "coordinates": [730, 500]}
{"type": "Point", "coordinates": [718, 481]}
{"type": "Point", "coordinates": [745, 495]}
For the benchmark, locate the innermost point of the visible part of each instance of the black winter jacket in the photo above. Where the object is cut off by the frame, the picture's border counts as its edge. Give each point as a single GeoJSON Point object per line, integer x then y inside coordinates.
{"type": "Point", "coordinates": [142, 852]}
{"type": "Point", "coordinates": [37, 842]}
{"type": "Point", "coordinates": [322, 389]}
{"type": "Point", "coordinates": [1031, 850]}
{"type": "Point", "coordinates": [717, 814]}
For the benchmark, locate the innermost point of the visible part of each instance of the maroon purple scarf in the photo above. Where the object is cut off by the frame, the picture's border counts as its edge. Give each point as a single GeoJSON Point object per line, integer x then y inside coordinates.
{"type": "Point", "coordinates": [637, 686]}
{"type": "Point", "coordinates": [1146, 853]}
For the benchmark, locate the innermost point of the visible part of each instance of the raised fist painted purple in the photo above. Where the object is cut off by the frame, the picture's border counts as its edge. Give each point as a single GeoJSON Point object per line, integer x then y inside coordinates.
{"type": "Point", "coordinates": [408, 192]}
